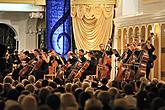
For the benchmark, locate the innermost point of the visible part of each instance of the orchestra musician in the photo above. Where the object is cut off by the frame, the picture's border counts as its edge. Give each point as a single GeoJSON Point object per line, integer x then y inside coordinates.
{"type": "Point", "coordinates": [72, 59]}
{"type": "Point", "coordinates": [104, 62]}
{"type": "Point", "coordinates": [40, 64]}
{"type": "Point", "coordinates": [89, 69]}
{"type": "Point", "coordinates": [55, 62]}
{"type": "Point", "coordinates": [66, 69]}
{"type": "Point", "coordinates": [5, 64]}
{"type": "Point", "coordinates": [81, 56]}
{"type": "Point", "coordinates": [125, 59]}
{"type": "Point", "coordinates": [24, 59]}
{"type": "Point", "coordinates": [78, 65]}
{"type": "Point", "coordinates": [142, 62]}
{"type": "Point", "coordinates": [15, 58]}
{"type": "Point", "coordinates": [150, 49]}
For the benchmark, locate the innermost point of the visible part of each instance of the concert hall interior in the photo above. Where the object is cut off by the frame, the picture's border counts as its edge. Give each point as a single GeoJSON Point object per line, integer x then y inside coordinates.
{"type": "Point", "coordinates": [82, 54]}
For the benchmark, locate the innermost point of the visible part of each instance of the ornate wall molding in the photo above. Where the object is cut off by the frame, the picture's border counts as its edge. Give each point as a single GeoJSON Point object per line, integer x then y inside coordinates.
{"type": "Point", "coordinates": [140, 19]}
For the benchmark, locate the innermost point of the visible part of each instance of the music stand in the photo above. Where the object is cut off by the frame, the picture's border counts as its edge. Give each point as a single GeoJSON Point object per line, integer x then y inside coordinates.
{"type": "Point", "coordinates": [117, 55]}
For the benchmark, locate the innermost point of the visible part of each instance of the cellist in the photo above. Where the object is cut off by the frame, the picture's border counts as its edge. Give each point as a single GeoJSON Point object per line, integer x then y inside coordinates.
{"type": "Point", "coordinates": [41, 64]}
{"type": "Point", "coordinates": [124, 58]}
{"type": "Point", "coordinates": [89, 67]}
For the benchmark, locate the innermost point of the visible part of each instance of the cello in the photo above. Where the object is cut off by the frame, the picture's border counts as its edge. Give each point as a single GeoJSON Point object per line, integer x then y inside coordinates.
{"type": "Point", "coordinates": [27, 68]}
{"type": "Point", "coordinates": [83, 68]}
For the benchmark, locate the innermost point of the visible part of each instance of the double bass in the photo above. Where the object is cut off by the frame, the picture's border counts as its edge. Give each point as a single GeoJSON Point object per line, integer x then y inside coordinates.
{"type": "Point", "coordinates": [104, 63]}
{"type": "Point", "coordinates": [142, 65]}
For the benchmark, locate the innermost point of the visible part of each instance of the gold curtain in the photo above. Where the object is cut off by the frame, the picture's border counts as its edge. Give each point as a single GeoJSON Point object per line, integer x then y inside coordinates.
{"type": "Point", "coordinates": [92, 24]}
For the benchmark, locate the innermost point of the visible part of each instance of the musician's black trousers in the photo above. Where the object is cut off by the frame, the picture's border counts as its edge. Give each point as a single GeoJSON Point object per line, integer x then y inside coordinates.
{"type": "Point", "coordinates": [83, 76]}
{"type": "Point", "coordinates": [39, 74]}
{"type": "Point", "coordinates": [148, 69]}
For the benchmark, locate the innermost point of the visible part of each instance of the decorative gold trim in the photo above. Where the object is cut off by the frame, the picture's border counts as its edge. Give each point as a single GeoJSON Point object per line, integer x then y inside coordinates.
{"type": "Point", "coordinates": [93, 1]}
{"type": "Point", "coordinates": [150, 1]}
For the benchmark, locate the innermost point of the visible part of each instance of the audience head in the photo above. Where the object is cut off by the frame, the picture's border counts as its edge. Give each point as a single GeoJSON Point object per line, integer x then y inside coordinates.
{"type": "Point", "coordinates": [12, 105]}
{"type": "Point", "coordinates": [44, 107]}
{"type": "Point", "coordinates": [29, 103]}
{"type": "Point", "coordinates": [83, 97]}
{"type": "Point", "coordinates": [38, 84]}
{"type": "Point", "coordinates": [113, 91]}
{"type": "Point", "coordinates": [8, 79]}
{"type": "Point", "coordinates": [13, 94]}
{"type": "Point", "coordinates": [104, 81]}
{"type": "Point", "coordinates": [157, 103]}
{"type": "Point", "coordinates": [74, 87]}
{"type": "Point", "coordinates": [68, 87]}
{"type": "Point", "coordinates": [93, 104]}
{"type": "Point", "coordinates": [128, 89]}
{"type": "Point", "coordinates": [30, 88]}
{"type": "Point", "coordinates": [89, 90]}
{"type": "Point", "coordinates": [43, 93]}
{"type": "Point", "coordinates": [53, 84]}
{"type": "Point", "coordinates": [2, 104]}
{"type": "Point", "coordinates": [142, 100]}
{"type": "Point", "coordinates": [68, 102]}
{"type": "Point", "coordinates": [53, 101]}
{"type": "Point", "coordinates": [104, 97]}
{"type": "Point", "coordinates": [77, 93]}
{"type": "Point", "coordinates": [20, 98]}
{"type": "Point", "coordinates": [31, 79]}
{"type": "Point", "coordinates": [44, 83]}
{"type": "Point", "coordinates": [85, 85]}
{"type": "Point", "coordinates": [25, 82]}
{"type": "Point", "coordinates": [6, 88]}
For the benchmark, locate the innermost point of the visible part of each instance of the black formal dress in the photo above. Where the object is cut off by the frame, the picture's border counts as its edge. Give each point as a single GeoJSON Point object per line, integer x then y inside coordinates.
{"type": "Point", "coordinates": [150, 61]}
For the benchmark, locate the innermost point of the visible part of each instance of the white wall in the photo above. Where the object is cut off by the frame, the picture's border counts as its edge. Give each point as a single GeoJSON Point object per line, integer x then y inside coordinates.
{"type": "Point", "coordinates": [129, 7]}
{"type": "Point", "coordinates": [152, 6]}
{"type": "Point", "coordinates": [20, 21]}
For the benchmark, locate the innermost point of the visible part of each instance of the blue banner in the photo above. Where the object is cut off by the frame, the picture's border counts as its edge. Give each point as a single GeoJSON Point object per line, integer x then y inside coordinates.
{"type": "Point", "coordinates": [58, 23]}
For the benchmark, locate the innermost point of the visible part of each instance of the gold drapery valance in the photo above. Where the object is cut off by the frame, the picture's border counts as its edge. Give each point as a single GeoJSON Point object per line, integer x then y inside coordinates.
{"type": "Point", "coordinates": [92, 24]}
{"type": "Point", "coordinates": [91, 11]}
